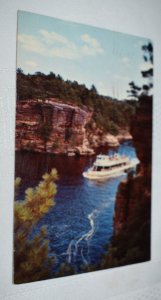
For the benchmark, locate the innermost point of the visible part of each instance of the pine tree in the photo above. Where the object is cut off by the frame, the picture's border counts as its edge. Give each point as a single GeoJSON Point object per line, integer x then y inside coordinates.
{"type": "Point", "coordinates": [31, 260]}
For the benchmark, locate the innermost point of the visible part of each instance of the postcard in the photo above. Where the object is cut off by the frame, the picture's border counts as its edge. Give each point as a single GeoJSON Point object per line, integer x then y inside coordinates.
{"type": "Point", "coordinates": [83, 149]}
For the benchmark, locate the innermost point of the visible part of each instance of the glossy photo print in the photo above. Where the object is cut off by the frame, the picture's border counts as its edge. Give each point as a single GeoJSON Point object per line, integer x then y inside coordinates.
{"type": "Point", "coordinates": [83, 149]}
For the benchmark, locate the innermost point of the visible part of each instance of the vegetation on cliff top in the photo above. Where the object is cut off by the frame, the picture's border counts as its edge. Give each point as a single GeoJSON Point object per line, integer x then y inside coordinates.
{"type": "Point", "coordinates": [109, 114]}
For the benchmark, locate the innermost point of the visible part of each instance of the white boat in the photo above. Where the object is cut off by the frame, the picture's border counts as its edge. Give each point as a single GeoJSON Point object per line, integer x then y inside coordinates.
{"type": "Point", "coordinates": [109, 166]}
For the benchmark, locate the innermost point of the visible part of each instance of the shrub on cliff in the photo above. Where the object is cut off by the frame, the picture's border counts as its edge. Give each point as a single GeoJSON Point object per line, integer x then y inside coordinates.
{"type": "Point", "coordinates": [105, 109]}
{"type": "Point", "coordinates": [31, 260]}
{"type": "Point", "coordinates": [45, 131]}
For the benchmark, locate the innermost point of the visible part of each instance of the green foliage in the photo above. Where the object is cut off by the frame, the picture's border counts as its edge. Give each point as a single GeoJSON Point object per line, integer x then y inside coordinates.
{"type": "Point", "coordinates": [113, 128]}
{"type": "Point", "coordinates": [148, 57]}
{"type": "Point", "coordinates": [45, 131]}
{"type": "Point", "coordinates": [31, 261]}
{"type": "Point", "coordinates": [135, 91]}
{"type": "Point", "coordinates": [105, 109]}
{"type": "Point", "coordinates": [132, 245]}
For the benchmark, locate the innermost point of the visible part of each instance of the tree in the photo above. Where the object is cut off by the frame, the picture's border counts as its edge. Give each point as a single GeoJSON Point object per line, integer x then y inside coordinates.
{"type": "Point", "coordinates": [31, 260]}
{"type": "Point", "coordinates": [41, 86]}
{"type": "Point", "coordinates": [20, 71]}
{"type": "Point", "coordinates": [134, 90]}
{"type": "Point", "coordinates": [147, 73]}
{"type": "Point", "coordinates": [93, 89]}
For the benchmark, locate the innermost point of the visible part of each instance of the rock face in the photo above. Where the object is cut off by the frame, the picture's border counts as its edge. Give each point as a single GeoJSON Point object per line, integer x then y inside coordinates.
{"type": "Point", "coordinates": [133, 202]}
{"type": "Point", "coordinates": [54, 127]}
{"type": "Point", "coordinates": [50, 126]}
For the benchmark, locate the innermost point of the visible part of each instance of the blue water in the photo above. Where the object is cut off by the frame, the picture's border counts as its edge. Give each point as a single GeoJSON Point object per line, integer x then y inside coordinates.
{"type": "Point", "coordinates": [81, 223]}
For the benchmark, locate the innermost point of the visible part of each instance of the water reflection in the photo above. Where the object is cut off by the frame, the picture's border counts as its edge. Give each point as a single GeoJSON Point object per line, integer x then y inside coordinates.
{"type": "Point", "coordinates": [81, 222]}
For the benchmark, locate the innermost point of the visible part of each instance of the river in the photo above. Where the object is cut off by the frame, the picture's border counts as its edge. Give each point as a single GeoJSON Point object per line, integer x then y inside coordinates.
{"type": "Point", "coordinates": [81, 223]}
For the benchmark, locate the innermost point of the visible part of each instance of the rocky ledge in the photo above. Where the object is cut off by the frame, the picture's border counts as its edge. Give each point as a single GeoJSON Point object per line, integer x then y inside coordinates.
{"type": "Point", "coordinates": [55, 127]}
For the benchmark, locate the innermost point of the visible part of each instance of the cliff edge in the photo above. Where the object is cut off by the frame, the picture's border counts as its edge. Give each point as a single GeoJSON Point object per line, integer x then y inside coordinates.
{"type": "Point", "coordinates": [51, 126]}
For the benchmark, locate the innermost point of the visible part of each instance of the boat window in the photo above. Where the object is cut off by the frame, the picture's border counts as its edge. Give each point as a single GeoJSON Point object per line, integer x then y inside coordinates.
{"type": "Point", "coordinates": [107, 168]}
{"type": "Point", "coordinates": [99, 168]}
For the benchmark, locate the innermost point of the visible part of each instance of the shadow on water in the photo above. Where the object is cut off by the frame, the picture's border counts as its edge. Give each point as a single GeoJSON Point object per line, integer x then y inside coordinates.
{"type": "Point", "coordinates": [81, 222]}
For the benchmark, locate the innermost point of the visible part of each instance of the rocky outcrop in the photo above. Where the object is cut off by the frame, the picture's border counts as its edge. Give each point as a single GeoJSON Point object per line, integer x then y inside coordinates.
{"type": "Point", "coordinates": [124, 135]}
{"type": "Point", "coordinates": [97, 139]}
{"type": "Point", "coordinates": [133, 201]}
{"type": "Point", "coordinates": [55, 127]}
{"type": "Point", "coordinates": [50, 126]}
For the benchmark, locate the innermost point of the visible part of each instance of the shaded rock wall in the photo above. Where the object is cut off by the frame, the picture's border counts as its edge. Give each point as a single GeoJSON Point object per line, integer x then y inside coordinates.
{"type": "Point", "coordinates": [50, 126]}
{"type": "Point", "coordinates": [133, 202]}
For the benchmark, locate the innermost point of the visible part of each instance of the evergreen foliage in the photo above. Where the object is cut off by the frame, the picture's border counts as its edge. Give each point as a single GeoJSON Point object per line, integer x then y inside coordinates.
{"type": "Point", "coordinates": [135, 91]}
{"type": "Point", "coordinates": [108, 114]}
{"type": "Point", "coordinates": [31, 260]}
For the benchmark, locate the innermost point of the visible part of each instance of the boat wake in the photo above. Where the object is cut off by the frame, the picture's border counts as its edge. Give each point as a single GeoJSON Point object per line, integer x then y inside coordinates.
{"type": "Point", "coordinates": [79, 248]}
{"type": "Point", "coordinates": [69, 251]}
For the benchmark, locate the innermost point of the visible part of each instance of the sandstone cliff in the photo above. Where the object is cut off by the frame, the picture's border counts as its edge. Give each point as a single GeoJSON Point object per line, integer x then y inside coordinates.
{"type": "Point", "coordinates": [133, 202]}
{"type": "Point", "coordinates": [131, 238]}
{"type": "Point", "coordinates": [55, 127]}
{"type": "Point", "coordinates": [50, 126]}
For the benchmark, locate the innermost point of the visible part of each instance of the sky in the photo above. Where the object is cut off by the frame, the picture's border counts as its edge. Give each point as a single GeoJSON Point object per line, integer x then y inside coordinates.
{"type": "Point", "coordinates": [86, 54]}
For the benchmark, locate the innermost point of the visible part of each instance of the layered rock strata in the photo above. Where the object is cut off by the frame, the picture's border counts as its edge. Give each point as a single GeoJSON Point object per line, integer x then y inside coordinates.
{"type": "Point", "coordinates": [50, 126]}
{"type": "Point", "coordinates": [55, 127]}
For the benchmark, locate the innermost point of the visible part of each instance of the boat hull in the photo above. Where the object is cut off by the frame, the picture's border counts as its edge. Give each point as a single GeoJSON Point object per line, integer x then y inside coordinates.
{"type": "Point", "coordinates": [90, 174]}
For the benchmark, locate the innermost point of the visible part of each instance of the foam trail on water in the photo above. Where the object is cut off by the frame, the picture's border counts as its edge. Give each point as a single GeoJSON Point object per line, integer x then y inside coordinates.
{"type": "Point", "coordinates": [83, 258]}
{"type": "Point", "coordinates": [91, 218]}
{"type": "Point", "coordinates": [69, 251]}
{"type": "Point", "coordinates": [78, 242]}
{"type": "Point", "coordinates": [75, 245]}
{"type": "Point", "coordinates": [87, 236]}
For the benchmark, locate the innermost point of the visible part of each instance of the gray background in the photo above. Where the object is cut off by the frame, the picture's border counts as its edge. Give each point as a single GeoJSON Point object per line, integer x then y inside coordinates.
{"type": "Point", "coordinates": [142, 281]}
